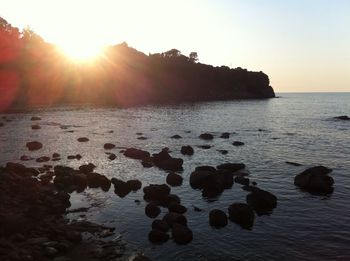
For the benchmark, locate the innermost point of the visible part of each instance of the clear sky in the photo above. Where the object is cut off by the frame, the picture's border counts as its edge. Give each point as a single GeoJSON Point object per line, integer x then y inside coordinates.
{"type": "Point", "coordinates": [303, 45]}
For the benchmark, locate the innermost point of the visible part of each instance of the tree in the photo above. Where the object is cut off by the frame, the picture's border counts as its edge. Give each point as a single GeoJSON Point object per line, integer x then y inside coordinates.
{"type": "Point", "coordinates": [173, 53]}
{"type": "Point", "coordinates": [193, 57]}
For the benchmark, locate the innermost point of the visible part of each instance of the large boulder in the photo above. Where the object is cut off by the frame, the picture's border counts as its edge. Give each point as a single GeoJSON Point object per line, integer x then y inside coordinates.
{"type": "Point", "coordinates": [181, 234]}
{"type": "Point", "coordinates": [96, 180]}
{"type": "Point", "coordinates": [152, 210]}
{"type": "Point", "coordinates": [34, 145]}
{"type": "Point", "coordinates": [164, 161]}
{"type": "Point", "coordinates": [217, 218]}
{"type": "Point", "coordinates": [172, 218]}
{"type": "Point", "coordinates": [315, 180]}
{"type": "Point", "coordinates": [158, 193]}
{"type": "Point", "coordinates": [263, 202]}
{"type": "Point", "coordinates": [174, 179]}
{"type": "Point", "coordinates": [87, 168]}
{"type": "Point", "coordinates": [241, 214]}
{"type": "Point", "coordinates": [136, 153]}
{"type": "Point", "coordinates": [157, 236]}
{"type": "Point", "coordinates": [187, 150]}
{"type": "Point", "coordinates": [121, 188]}
{"type": "Point", "coordinates": [199, 178]}
{"type": "Point", "coordinates": [177, 208]}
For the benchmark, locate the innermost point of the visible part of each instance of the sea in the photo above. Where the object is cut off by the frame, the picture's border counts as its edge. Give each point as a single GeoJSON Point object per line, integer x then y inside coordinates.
{"type": "Point", "coordinates": [296, 127]}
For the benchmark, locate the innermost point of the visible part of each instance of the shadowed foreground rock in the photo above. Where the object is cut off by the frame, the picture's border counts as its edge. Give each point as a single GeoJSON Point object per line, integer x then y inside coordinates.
{"type": "Point", "coordinates": [241, 214]}
{"type": "Point", "coordinates": [263, 202]}
{"type": "Point", "coordinates": [217, 218]}
{"type": "Point", "coordinates": [315, 180]}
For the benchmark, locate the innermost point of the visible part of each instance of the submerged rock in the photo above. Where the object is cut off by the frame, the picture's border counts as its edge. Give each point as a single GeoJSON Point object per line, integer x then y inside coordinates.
{"type": "Point", "coordinates": [225, 135]}
{"type": "Point", "coordinates": [223, 152]}
{"type": "Point", "coordinates": [241, 214]}
{"type": "Point", "coordinates": [343, 117]}
{"type": "Point", "coordinates": [217, 218]}
{"type": "Point", "coordinates": [34, 145]}
{"type": "Point", "coordinates": [43, 159]}
{"type": "Point", "coordinates": [293, 163]}
{"type": "Point", "coordinates": [108, 146]}
{"type": "Point", "coordinates": [187, 150]}
{"type": "Point", "coordinates": [35, 118]}
{"type": "Point", "coordinates": [36, 127]}
{"type": "Point", "coordinates": [242, 180]}
{"type": "Point", "coordinates": [315, 180]}
{"type": "Point", "coordinates": [238, 143]}
{"type": "Point", "coordinates": [136, 153]}
{"type": "Point", "coordinates": [206, 136]}
{"type": "Point", "coordinates": [176, 137]}
{"type": "Point", "coordinates": [231, 166]}
{"type": "Point", "coordinates": [83, 139]}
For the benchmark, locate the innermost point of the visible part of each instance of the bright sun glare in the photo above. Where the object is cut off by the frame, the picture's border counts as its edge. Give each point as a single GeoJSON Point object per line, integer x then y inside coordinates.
{"type": "Point", "coordinates": [81, 52]}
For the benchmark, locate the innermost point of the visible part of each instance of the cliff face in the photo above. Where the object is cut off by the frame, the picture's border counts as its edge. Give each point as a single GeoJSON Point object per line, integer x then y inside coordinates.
{"type": "Point", "coordinates": [33, 73]}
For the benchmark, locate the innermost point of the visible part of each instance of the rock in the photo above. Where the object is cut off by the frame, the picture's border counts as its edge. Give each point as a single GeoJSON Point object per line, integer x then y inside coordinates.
{"type": "Point", "coordinates": [25, 158]}
{"type": "Point", "coordinates": [136, 153]}
{"type": "Point", "coordinates": [263, 202]}
{"type": "Point", "coordinates": [152, 210]}
{"type": "Point", "coordinates": [77, 157]}
{"type": "Point", "coordinates": [172, 199]}
{"type": "Point", "coordinates": [108, 146]}
{"type": "Point", "coordinates": [206, 136]}
{"type": "Point", "coordinates": [50, 251]}
{"type": "Point", "coordinates": [242, 214]}
{"type": "Point", "coordinates": [160, 225]}
{"type": "Point", "coordinates": [121, 188]}
{"type": "Point", "coordinates": [36, 127]}
{"type": "Point", "coordinates": [187, 150]}
{"type": "Point", "coordinates": [157, 193]}
{"type": "Point", "coordinates": [140, 257]}
{"type": "Point", "coordinates": [157, 236]}
{"type": "Point", "coordinates": [315, 180]}
{"type": "Point", "coordinates": [142, 138]}
{"type": "Point", "coordinates": [134, 184]}
{"type": "Point", "coordinates": [181, 234]}
{"type": "Point", "coordinates": [35, 118]}
{"type": "Point", "coordinates": [34, 145]}
{"type": "Point", "coordinates": [177, 208]}
{"type": "Point", "coordinates": [83, 139]}
{"type": "Point", "coordinates": [293, 163]}
{"type": "Point", "coordinates": [176, 137]}
{"type": "Point", "coordinates": [43, 159]}
{"type": "Point", "coordinates": [231, 166]}
{"type": "Point", "coordinates": [2, 124]}
{"type": "Point", "coordinates": [112, 156]}
{"type": "Point", "coordinates": [87, 168]}
{"type": "Point", "coordinates": [172, 218]}
{"type": "Point", "coordinates": [223, 152]}
{"type": "Point", "coordinates": [343, 117]}
{"type": "Point", "coordinates": [199, 178]}
{"type": "Point", "coordinates": [226, 177]}
{"type": "Point", "coordinates": [164, 161]}
{"type": "Point", "coordinates": [238, 143]}
{"type": "Point", "coordinates": [206, 147]}
{"type": "Point", "coordinates": [174, 179]}
{"type": "Point", "coordinates": [56, 155]}
{"type": "Point", "coordinates": [147, 162]}
{"type": "Point", "coordinates": [225, 135]}
{"type": "Point", "coordinates": [96, 180]}
{"type": "Point", "coordinates": [217, 218]}
{"type": "Point", "coordinates": [205, 168]}
{"type": "Point", "coordinates": [197, 209]}
{"type": "Point", "coordinates": [242, 180]}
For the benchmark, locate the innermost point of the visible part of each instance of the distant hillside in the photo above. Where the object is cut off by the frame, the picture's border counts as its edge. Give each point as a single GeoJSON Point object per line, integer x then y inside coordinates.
{"type": "Point", "coordinates": [34, 73]}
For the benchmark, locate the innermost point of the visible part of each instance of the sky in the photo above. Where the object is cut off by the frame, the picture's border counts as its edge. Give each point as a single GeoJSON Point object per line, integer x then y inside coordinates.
{"type": "Point", "coordinates": [303, 45]}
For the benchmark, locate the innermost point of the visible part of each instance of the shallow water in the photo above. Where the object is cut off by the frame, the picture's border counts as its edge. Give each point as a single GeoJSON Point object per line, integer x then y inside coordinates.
{"type": "Point", "coordinates": [295, 127]}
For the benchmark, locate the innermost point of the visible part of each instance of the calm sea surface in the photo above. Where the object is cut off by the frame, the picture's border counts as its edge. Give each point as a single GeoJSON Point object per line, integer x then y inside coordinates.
{"type": "Point", "coordinates": [296, 127]}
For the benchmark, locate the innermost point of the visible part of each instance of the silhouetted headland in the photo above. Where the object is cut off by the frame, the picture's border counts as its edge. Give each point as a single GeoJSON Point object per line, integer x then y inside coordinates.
{"type": "Point", "coordinates": [35, 73]}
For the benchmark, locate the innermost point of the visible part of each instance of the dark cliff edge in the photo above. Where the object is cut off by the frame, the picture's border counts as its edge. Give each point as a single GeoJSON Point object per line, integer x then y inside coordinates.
{"type": "Point", "coordinates": [35, 73]}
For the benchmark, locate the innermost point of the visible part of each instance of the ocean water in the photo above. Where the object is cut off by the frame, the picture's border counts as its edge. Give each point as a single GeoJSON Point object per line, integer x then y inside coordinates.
{"type": "Point", "coordinates": [296, 127]}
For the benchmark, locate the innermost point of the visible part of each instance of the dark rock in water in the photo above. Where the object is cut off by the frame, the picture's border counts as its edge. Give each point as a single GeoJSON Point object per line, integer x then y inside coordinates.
{"type": "Point", "coordinates": [35, 118]}
{"type": "Point", "coordinates": [206, 136]}
{"type": "Point", "coordinates": [223, 152]}
{"type": "Point", "coordinates": [83, 139]}
{"type": "Point", "coordinates": [174, 179]}
{"type": "Point", "coordinates": [177, 208]}
{"type": "Point", "coordinates": [43, 159]}
{"type": "Point", "coordinates": [226, 178]}
{"type": "Point", "coordinates": [197, 209]}
{"type": "Point", "coordinates": [238, 143]}
{"type": "Point", "coordinates": [136, 153]}
{"type": "Point", "coordinates": [225, 135]}
{"type": "Point", "coordinates": [242, 180]}
{"type": "Point", "coordinates": [87, 168]}
{"type": "Point", "coordinates": [205, 168]}
{"type": "Point", "coordinates": [96, 180]}
{"type": "Point", "coordinates": [315, 180]}
{"type": "Point", "coordinates": [157, 193]}
{"type": "Point", "coordinates": [293, 163]}
{"type": "Point", "coordinates": [176, 137]}
{"type": "Point", "coordinates": [181, 234]}
{"type": "Point", "coordinates": [231, 166]}
{"type": "Point", "coordinates": [112, 156]}
{"type": "Point", "coordinates": [2, 124]}
{"type": "Point", "coordinates": [160, 225]}
{"type": "Point", "coordinates": [108, 146]}
{"type": "Point", "coordinates": [158, 236]}
{"type": "Point", "coordinates": [20, 169]}
{"type": "Point", "coordinates": [139, 133]}
{"type": "Point", "coordinates": [134, 184]}
{"type": "Point", "coordinates": [172, 218]}
{"type": "Point", "coordinates": [205, 147]}
{"type": "Point", "coordinates": [199, 178]}
{"type": "Point", "coordinates": [172, 199]}
{"type": "Point", "coordinates": [142, 138]}
{"type": "Point", "coordinates": [187, 150]}
{"type": "Point", "coordinates": [263, 202]}
{"type": "Point", "coordinates": [25, 158]}
{"type": "Point", "coordinates": [56, 155]}
{"type": "Point", "coordinates": [254, 183]}
{"type": "Point", "coordinates": [147, 162]}
{"type": "Point", "coordinates": [121, 188]}
{"type": "Point", "coordinates": [242, 214]}
{"type": "Point", "coordinates": [152, 210]}
{"type": "Point", "coordinates": [77, 157]}
{"type": "Point", "coordinates": [343, 117]}
{"type": "Point", "coordinates": [164, 161]}
{"type": "Point", "coordinates": [36, 127]}
{"type": "Point", "coordinates": [217, 218]}
{"type": "Point", "coordinates": [34, 145]}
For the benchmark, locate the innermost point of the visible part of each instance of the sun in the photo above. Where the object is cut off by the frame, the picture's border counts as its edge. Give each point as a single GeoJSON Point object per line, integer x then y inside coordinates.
{"type": "Point", "coordinates": [81, 52]}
